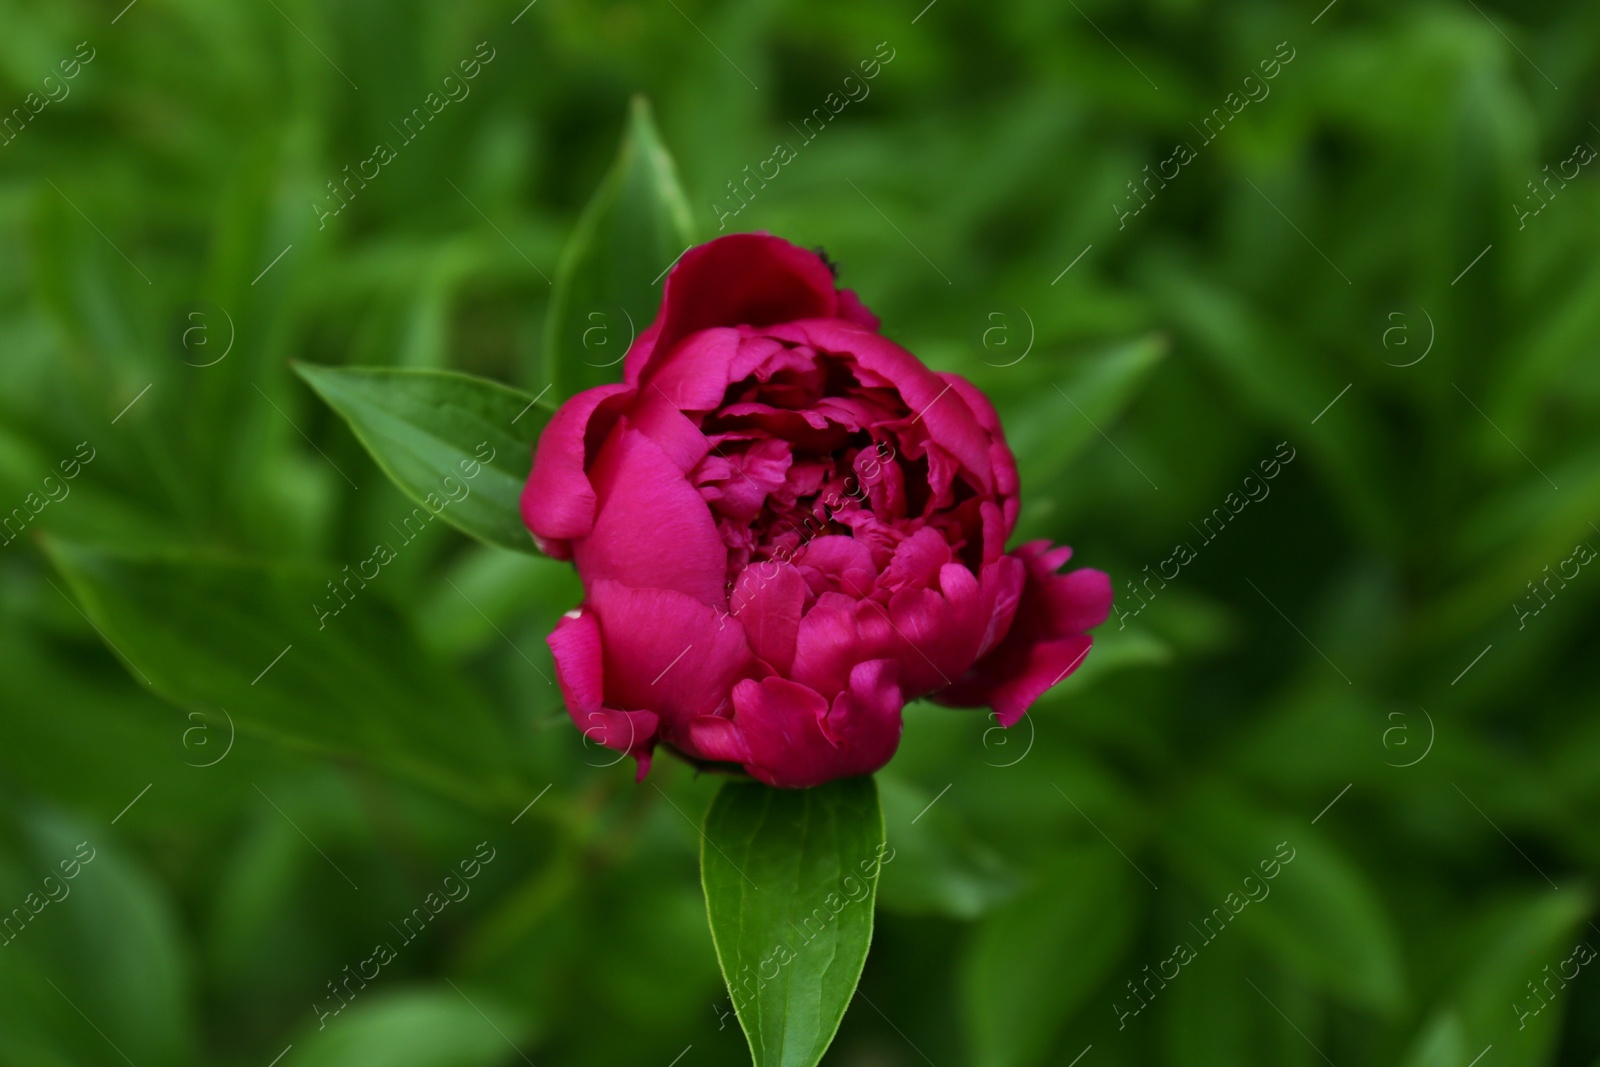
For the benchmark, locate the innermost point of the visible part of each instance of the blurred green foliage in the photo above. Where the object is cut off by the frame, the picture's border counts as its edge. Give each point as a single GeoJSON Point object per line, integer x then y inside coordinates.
{"type": "Point", "coordinates": [169, 243]}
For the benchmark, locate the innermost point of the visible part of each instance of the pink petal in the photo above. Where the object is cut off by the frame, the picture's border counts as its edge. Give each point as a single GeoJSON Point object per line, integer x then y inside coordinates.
{"type": "Point", "coordinates": [1045, 642]}
{"type": "Point", "coordinates": [938, 631]}
{"type": "Point", "coordinates": [576, 645]}
{"type": "Point", "coordinates": [778, 722]}
{"type": "Point", "coordinates": [580, 670]}
{"type": "Point", "coordinates": [1004, 464]}
{"type": "Point", "coordinates": [829, 644]}
{"type": "Point", "coordinates": [670, 429]}
{"type": "Point", "coordinates": [839, 564]}
{"type": "Point", "coordinates": [763, 357]}
{"type": "Point", "coordinates": [744, 279]}
{"type": "Point", "coordinates": [695, 376]}
{"type": "Point", "coordinates": [558, 501]}
{"type": "Point", "coordinates": [716, 738]}
{"type": "Point", "coordinates": [917, 561]}
{"type": "Point", "coordinates": [1045, 664]}
{"type": "Point", "coordinates": [782, 724]}
{"type": "Point", "coordinates": [766, 601]}
{"type": "Point", "coordinates": [667, 652]}
{"type": "Point", "coordinates": [934, 402]}
{"type": "Point", "coordinates": [1002, 583]}
{"type": "Point", "coordinates": [866, 716]}
{"type": "Point", "coordinates": [1076, 601]}
{"type": "Point", "coordinates": [652, 530]}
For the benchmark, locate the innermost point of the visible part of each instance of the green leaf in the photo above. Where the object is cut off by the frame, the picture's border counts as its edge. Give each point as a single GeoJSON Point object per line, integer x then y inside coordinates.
{"type": "Point", "coordinates": [245, 643]}
{"type": "Point", "coordinates": [1492, 1004]}
{"type": "Point", "coordinates": [87, 901]}
{"type": "Point", "coordinates": [940, 867]}
{"type": "Point", "coordinates": [1316, 915]}
{"type": "Point", "coordinates": [791, 879]}
{"type": "Point", "coordinates": [420, 1028]}
{"type": "Point", "coordinates": [1033, 963]}
{"type": "Point", "coordinates": [1222, 1009]}
{"type": "Point", "coordinates": [1055, 408]}
{"type": "Point", "coordinates": [456, 444]}
{"type": "Point", "coordinates": [607, 284]}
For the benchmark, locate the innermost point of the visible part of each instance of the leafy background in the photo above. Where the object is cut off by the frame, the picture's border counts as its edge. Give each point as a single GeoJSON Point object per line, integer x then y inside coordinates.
{"type": "Point", "coordinates": [1325, 638]}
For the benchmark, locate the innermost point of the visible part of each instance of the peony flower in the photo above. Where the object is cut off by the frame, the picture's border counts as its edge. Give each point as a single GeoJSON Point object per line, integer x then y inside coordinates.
{"type": "Point", "coordinates": [788, 527]}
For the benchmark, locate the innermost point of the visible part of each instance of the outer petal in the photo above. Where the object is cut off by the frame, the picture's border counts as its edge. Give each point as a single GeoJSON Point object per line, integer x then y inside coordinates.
{"type": "Point", "coordinates": [1006, 482]}
{"type": "Point", "coordinates": [1059, 605]}
{"type": "Point", "coordinates": [1002, 582]}
{"type": "Point", "coordinates": [696, 375]}
{"type": "Point", "coordinates": [668, 653]}
{"type": "Point", "coordinates": [671, 430]}
{"type": "Point", "coordinates": [782, 724]}
{"type": "Point", "coordinates": [580, 671]}
{"type": "Point", "coordinates": [866, 716]}
{"type": "Point", "coordinates": [1076, 601]}
{"type": "Point", "coordinates": [939, 630]}
{"type": "Point", "coordinates": [558, 501]}
{"type": "Point", "coordinates": [652, 529]}
{"type": "Point", "coordinates": [1012, 678]}
{"type": "Point", "coordinates": [1046, 641]}
{"type": "Point", "coordinates": [715, 738]}
{"type": "Point", "coordinates": [744, 279]}
{"type": "Point", "coordinates": [851, 309]}
{"type": "Point", "coordinates": [581, 675]}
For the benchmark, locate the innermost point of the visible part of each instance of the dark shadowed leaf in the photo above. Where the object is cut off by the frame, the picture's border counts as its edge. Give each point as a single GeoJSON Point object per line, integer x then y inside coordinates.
{"type": "Point", "coordinates": [1511, 991]}
{"type": "Point", "coordinates": [1289, 890]}
{"type": "Point", "coordinates": [1223, 1006]}
{"type": "Point", "coordinates": [1061, 405]}
{"type": "Point", "coordinates": [1033, 962]}
{"type": "Point", "coordinates": [264, 643]}
{"type": "Point", "coordinates": [940, 866]}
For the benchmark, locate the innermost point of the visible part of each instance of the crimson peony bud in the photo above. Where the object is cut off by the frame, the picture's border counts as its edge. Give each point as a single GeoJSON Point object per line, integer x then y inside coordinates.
{"type": "Point", "coordinates": [787, 527]}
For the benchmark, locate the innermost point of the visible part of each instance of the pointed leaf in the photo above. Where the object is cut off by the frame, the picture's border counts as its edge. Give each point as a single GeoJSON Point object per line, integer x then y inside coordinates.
{"type": "Point", "coordinates": [457, 444]}
{"type": "Point", "coordinates": [269, 649]}
{"type": "Point", "coordinates": [1503, 987]}
{"type": "Point", "coordinates": [1034, 962]}
{"type": "Point", "coordinates": [607, 287]}
{"type": "Point", "coordinates": [1097, 387]}
{"type": "Point", "coordinates": [1320, 919]}
{"type": "Point", "coordinates": [791, 879]}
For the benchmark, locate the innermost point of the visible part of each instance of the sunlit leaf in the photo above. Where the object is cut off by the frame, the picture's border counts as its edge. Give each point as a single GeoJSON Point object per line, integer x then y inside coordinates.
{"type": "Point", "coordinates": [434, 1027]}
